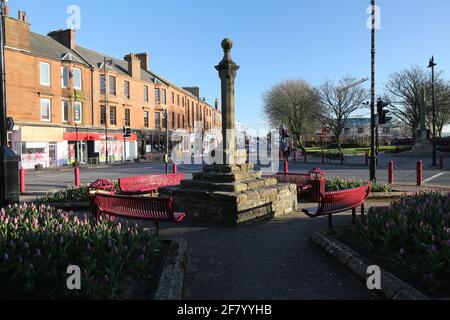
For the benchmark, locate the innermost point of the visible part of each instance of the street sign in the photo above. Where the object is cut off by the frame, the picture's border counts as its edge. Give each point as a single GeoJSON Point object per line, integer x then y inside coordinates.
{"type": "Point", "coordinates": [10, 124]}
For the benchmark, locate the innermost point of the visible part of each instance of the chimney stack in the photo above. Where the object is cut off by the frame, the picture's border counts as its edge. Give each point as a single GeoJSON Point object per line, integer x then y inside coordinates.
{"type": "Point", "coordinates": [195, 91]}
{"type": "Point", "coordinates": [144, 59]}
{"type": "Point", "coordinates": [7, 10]}
{"type": "Point", "coordinates": [134, 65]}
{"type": "Point", "coordinates": [17, 31]}
{"type": "Point", "coordinates": [216, 104]}
{"type": "Point", "coordinates": [64, 37]}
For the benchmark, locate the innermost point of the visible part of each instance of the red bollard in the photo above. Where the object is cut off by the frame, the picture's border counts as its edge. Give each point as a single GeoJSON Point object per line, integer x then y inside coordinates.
{"type": "Point", "coordinates": [286, 167]}
{"type": "Point", "coordinates": [391, 172]}
{"type": "Point", "coordinates": [22, 180]}
{"type": "Point", "coordinates": [175, 168]}
{"type": "Point", "coordinates": [441, 163]}
{"type": "Point", "coordinates": [419, 173]}
{"type": "Point", "coordinates": [77, 177]}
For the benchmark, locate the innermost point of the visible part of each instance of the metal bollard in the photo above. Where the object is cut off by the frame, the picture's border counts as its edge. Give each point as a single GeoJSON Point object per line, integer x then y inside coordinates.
{"type": "Point", "coordinates": [286, 166]}
{"type": "Point", "coordinates": [306, 158]}
{"type": "Point", "coordinates": [342, 159]}
{"type": "Point", "coordinates": [77, 177]}
{"type": "Point", "coordinates": [22, 180]}
{"type": "Point", "coordinates": [367, 159]}
{"type": "Point", "coordinates": [419, 173]}
{"type": "Point", "coordinates": [391, 172]}
{"type": "Point", "coordinates": [175, 168]}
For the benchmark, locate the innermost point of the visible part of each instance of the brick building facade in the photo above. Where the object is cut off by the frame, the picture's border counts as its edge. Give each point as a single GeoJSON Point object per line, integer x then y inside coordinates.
{"type": "Point", "coordinates": [72, 103]}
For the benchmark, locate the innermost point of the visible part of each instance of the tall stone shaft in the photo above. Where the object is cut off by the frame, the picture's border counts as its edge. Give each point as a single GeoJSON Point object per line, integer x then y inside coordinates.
{"type": "Point", "coordinates": [227, 69]}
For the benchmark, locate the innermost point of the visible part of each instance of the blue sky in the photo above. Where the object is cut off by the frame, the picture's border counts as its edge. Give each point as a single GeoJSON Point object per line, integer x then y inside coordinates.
{"type": "Point", "coordinates": [273, 40]}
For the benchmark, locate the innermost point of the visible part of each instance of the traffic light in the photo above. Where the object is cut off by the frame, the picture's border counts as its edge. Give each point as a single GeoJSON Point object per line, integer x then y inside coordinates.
{"type": "Point", "coordinates": [382, 112]}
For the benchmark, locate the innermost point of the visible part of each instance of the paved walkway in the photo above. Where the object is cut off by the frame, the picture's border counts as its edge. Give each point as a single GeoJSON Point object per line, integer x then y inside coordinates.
{"type": "Point", "coordinates": [274, 260]}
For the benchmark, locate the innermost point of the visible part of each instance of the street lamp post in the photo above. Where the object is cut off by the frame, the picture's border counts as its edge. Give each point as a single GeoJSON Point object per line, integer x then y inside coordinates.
{"type": "Point", "coordinates": [373, 157]}
{"type": "Point", "coordinates": [432, 65]}
{"type": "Point", "coordinates": [105, 62]}
{"type": "Point", "coordinates": [9, 161]}
{"type": "Point", "coordinates": [166, 157]}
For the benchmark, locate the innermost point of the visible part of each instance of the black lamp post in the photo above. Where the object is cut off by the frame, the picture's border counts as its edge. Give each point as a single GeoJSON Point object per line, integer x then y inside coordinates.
{"type": "Point", "coordinates": [166, 157]}
{"type": "Point", "coordinates": [373, 156]}
{"type": "Point", "coordinates": [9, 161]}
{"type": "Point", "coordinates": [432, 65]}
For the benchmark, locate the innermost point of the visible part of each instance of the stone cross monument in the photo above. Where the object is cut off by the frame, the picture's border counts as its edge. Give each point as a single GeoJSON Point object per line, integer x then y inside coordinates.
{"type": "Point", "coordinates": [231, 192]}
{"type": "Point", "coordinates": [227, 72]}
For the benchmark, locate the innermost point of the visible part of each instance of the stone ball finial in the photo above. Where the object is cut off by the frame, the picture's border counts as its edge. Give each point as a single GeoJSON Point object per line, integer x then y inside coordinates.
{"type": "Point", "coordinates": [227, 44]}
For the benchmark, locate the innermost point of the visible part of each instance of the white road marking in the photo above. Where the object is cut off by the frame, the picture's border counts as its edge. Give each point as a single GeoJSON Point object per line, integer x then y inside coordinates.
{"type": "Point", "coordinates": [434, 177]}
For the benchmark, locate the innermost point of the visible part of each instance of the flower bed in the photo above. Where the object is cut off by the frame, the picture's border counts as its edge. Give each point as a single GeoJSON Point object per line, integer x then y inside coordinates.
{"type": "Point", "coordinates": [411, 239]}
{"type": "Point", "coordinates": [38, 243]}
{"type": "Point", "coordinates": [337, 184]}
{"type": "Point", "coordinates": [71, 194]}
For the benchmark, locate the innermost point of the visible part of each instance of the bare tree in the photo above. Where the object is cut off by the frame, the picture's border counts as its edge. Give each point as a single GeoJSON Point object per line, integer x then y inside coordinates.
{"type": "Point", "coordinates": [339, 101]}
{"type": "Point", "coordinates": [410, 89]}
{"type": "Point", "coordinates": [442, 94]}
{"type": "Point", "coordinates": [294, 104]}
{"type": "Point", "coordinates": [405, 90]}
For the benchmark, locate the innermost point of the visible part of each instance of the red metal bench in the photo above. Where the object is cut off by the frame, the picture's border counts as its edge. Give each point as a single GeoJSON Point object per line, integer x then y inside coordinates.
{"type": "Point", "coordinates": [340, 201]}
{"type": "Point", "coordinates": [137, 208]}
{"type": "Point", "coordinates": [299, 179]}
{"type": "Point", "coordinates": [149, 183]}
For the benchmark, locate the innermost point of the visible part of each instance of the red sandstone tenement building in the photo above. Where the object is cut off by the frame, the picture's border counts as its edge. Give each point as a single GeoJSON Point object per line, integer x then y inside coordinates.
{"type": "Point", "coordinates": [68, 104]}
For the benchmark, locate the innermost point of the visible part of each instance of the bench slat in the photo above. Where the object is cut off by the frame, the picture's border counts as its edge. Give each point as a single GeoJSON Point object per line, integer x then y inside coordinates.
{"type": "Point", "coordinates": [149, 183]}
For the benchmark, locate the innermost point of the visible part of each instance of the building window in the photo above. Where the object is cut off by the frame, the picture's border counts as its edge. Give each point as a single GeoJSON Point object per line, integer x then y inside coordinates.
{"type": "Point", "coordinates": [45, 74]}
{"type": "Point", "coordinates": [164, 96]}
{"type": "Point", "coordinates": [78, 112]}
{"type": "Point", "coordinates": [65, 110]}
{"type": "Point", "coordinates": [102, 84]}
{"type": "Point", "coordinates": [126, 89]}
{"type": "Point", "coordinates": [184, 123]}
{"type": "Point", "coordinates": [178, 99]}
{"type": "Point", "coordinates": [157, 96]}
{"type": "Point", "coordinates": [146, 93]}
{"type": "Point", "coordinates": [77, 79]}
{"type": "Point", "coordinates": [360, 130]}
{"type": "Point", "coordinates": [183, 102]}
{"type": "Point", "coordinates": [173, 120]}
{"type": "Point", "coordinates": [173, 98]}
{"type": "Point", "coordinates": [113, 116]}
{"type": "Point", "coordinates": [127, 118]}
{"type": "Point", "coordinates": [387, 130]}
{"type": "Point", "coordinates": [157, 120]}
{"type": "Point", "coordinates": [65, 77]}
{"type": "Point", "coordinates": [112, 85]}
{"type": "Point", "coordinates": [146, 119]}
{"type": "Point", "coordinates": [178, 121]}
{"type": "Point", "coordinates": [46, 110]}
{"type": "Point", "coordinates": [103, 115]}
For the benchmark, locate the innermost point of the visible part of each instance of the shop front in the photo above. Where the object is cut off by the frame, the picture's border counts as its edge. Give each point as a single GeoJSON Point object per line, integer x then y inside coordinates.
{"type": "Point", "coordinates": [93, 148]}
{"type": "Point", "coordinates": [40, 146]}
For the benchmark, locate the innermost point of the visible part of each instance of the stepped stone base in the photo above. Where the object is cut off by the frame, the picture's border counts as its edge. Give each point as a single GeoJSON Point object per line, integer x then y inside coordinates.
{"type": "Point", "coordinates": [232, 195]}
